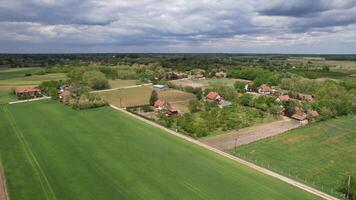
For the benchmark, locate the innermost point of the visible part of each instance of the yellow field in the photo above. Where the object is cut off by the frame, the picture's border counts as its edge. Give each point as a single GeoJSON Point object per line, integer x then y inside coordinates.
{"type": "Point", "coordinates": [141, 95]}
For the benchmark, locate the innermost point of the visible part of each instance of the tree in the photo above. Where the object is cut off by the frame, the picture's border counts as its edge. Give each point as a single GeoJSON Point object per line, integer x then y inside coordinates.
{"type": "Point", "coordinates": [95, 80]}
{"type": "Point", "coordinates": [153, 98]}
{"type": "Point", "coordinates": [53, 92]}
{"type": "Point", "coordinates": [194, 106]}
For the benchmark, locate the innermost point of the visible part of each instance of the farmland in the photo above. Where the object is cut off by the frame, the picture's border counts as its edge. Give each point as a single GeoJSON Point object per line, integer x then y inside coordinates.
{"type": "Point", "coordinates": [105, 154]}
{"type": "Point", "coordinates": [122, 83]}
{"type": "Point", "coordinates": [32, 80]}
{"type": "Point", "coordinates": [141, 95]}
{"type": "Point", "coordinates": [222, 81]}
{"type": "Point", "coordinates": [323, 153]}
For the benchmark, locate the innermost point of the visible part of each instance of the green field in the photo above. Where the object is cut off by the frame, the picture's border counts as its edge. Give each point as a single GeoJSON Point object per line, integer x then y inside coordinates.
{"type": "Point", "coordinates": [221, 81]}
{"type": "Point", "coordinates": [50, 151]}
{"type": "Point", "coordinates": [9, 73]}
{"type": "Point", "coordinates": [323, 153]}
{"type": "Point", "coordinates": [32, 80]}
{"type": "Point", "coordinates": [5, 97]}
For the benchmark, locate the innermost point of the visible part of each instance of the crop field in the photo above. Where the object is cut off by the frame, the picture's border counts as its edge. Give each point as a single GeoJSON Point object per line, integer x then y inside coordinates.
{"type": "Point", "coordinates": [128, 97]}
{"type": "Point", "coordinates": [50, 151]}
{"type": "Point", "coordinates": [141, 95]}
{"type": "Point", "coordinates": [122, 83]}
{"type": "Point", "coordinates": [5, 97]}
{"type": "Point", "coordinates": [323, 153]}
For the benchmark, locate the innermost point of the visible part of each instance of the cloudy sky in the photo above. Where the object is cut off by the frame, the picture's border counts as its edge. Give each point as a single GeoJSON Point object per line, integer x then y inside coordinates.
{"type": "Point", "coordinates": [233, 26]}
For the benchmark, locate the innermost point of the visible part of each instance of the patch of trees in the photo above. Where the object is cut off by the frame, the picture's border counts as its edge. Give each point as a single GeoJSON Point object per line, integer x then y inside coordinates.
{"type": "Point", "coordinates": [331, 98]}
{"type": "Point", "coordinates": [259, 76]}
{"type": "Point", "coordinates": [92, 77]}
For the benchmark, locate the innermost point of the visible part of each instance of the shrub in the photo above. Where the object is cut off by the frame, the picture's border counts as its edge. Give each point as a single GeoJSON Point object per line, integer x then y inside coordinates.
{"type": "Point", "coordinates": [95, 80]}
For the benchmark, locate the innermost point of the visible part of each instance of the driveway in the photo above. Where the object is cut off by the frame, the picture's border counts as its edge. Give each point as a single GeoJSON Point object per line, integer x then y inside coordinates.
{"type": "Point", "coordinates": [250, 134]}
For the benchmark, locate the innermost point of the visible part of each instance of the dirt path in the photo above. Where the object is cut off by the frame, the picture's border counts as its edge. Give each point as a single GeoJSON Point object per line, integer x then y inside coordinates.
{"type": "Point", "coordinates": [250, 134]}
{"type": "Point", "coordinates": [3, 191]}
{"type": "Point", "coordinates": [120, 88]}
{"type": "Point", "coordinates": [246, 163]}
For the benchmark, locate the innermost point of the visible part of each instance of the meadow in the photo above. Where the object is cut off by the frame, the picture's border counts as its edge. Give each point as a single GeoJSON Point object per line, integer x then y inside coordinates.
{"type": "Point", "coordinates": [50, 151]}
{"type": "Point", "coordinates": [221, 81]}
{"type": "Point", "coordinates": [323, 153]}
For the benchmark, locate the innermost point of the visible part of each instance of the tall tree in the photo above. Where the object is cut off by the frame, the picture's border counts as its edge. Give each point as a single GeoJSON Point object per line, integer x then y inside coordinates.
{"type": "Point", "coordinates": [153, 98]}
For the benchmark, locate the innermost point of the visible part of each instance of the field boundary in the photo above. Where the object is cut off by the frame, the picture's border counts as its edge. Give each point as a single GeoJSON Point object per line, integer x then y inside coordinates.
{"type": "Point", "coordinates": [29, 100]}
{"type": "Point", "coordinates": [4, 195]}
{"type": "Point", "coordinates": [244, 162]}
{"type": "Point", "coordinates": [120, 88]}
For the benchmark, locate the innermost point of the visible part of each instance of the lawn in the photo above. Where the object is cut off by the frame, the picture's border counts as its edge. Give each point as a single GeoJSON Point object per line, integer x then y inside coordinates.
{"type": "Point", "coordinates": [50, 151]}
{"type": "Point", "coordinates": [323, 153]}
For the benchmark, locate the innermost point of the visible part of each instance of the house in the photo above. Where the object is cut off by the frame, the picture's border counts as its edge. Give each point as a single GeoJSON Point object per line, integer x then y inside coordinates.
{"type": "Point", "coordinates": [299, 114]}
{"type": "Point", "coordinates": [64, 89]}
{"type": "Point", "coordinates": [283, 98]}
{"type": "Point", "coordinates": [160, 87]}
{"type": "Point", "coordinates": [160, 104]}
{"type": "Point", "coordinates": [213, 96]}
{"type": "Point", "coordinates": [305, 97]}
{"type": "Point", "coordinates": [314, 114]}
{"type": "Point", "coordinates": [166, 107]}
{"type": "Point", "coordinates": [220, 74]}
{"type": "Point", "coordinates": [199, 76]}
{"type": "Point", "coordinates": [264, 89]}
{"type": "Point", "coordinates": [27, 92]}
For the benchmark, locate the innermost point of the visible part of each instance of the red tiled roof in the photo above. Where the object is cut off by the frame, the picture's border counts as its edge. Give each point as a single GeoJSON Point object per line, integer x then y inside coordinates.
{"type": "Point", "coordinates": [265, 88]}
{"type": "Point", "coordinates": [159, 103]}
{"type": "Point", "coordinates": [212, 96]}
{"type": "Point", "coordinates": [284, 98]}
{"type": "Point", "coordinates": [314, 113]}
{"type": "Point", "coordinates": [27, 90]}
{"type": "Point", "coordinates": [299, 114]}
{"type": "Point", "coordinates": [199, 76]}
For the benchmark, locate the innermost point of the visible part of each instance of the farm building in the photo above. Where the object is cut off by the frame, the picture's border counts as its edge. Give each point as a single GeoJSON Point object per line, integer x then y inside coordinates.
{"type": "Point", "coordinates": [199, 77]}
{"type": "Point", "coordinates": [264, 89]}
{"type": "Point", "coordinates": [220, 74]}
{"type": "Point", "coordinates": [305, 97]}
{"type": "Point", "coordinates": [214, 96]}
{"type": "Point", "coordinates": [283, 98]}
{"type": "Point", "coordinates": [160, 87]}
{"type": "Point", "coordinates": [27, 92]}
{"type": "Point", "coordinates": [299, 115]}
{"type": "Point", "coordinates": [166, 107]}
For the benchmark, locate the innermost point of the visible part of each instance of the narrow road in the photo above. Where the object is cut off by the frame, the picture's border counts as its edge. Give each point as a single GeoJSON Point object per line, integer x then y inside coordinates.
{"type": "Point", "coordinates": [246, 163]}
{"type": "Point", "coordinates": [250, 134]}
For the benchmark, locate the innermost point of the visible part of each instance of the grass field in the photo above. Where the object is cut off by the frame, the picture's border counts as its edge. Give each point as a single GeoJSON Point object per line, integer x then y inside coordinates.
{"type": "Point", "coordinates": [9, 73]}
{"type": "Point", "coordinates": [5, 97]}
{"type": "Point", "coordinates": [32, 80]}
{"type": "Point", "coordinates": [50, 151]}
{"type": "Point", "coordinates": [141, 95]}
{"type": "Point", "coordinates": [324, 152]}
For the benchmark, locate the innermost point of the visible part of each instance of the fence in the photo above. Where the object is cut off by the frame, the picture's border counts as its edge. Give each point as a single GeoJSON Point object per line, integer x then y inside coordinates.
{"type": "Point", "coordinates": [291, 175]}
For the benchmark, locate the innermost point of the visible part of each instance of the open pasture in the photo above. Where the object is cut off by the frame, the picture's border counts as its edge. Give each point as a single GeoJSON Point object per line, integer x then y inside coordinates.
{"type": "Point", "coordinates": [323, 153]}
{"type": "Point", "coordinates": [50, 151]}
